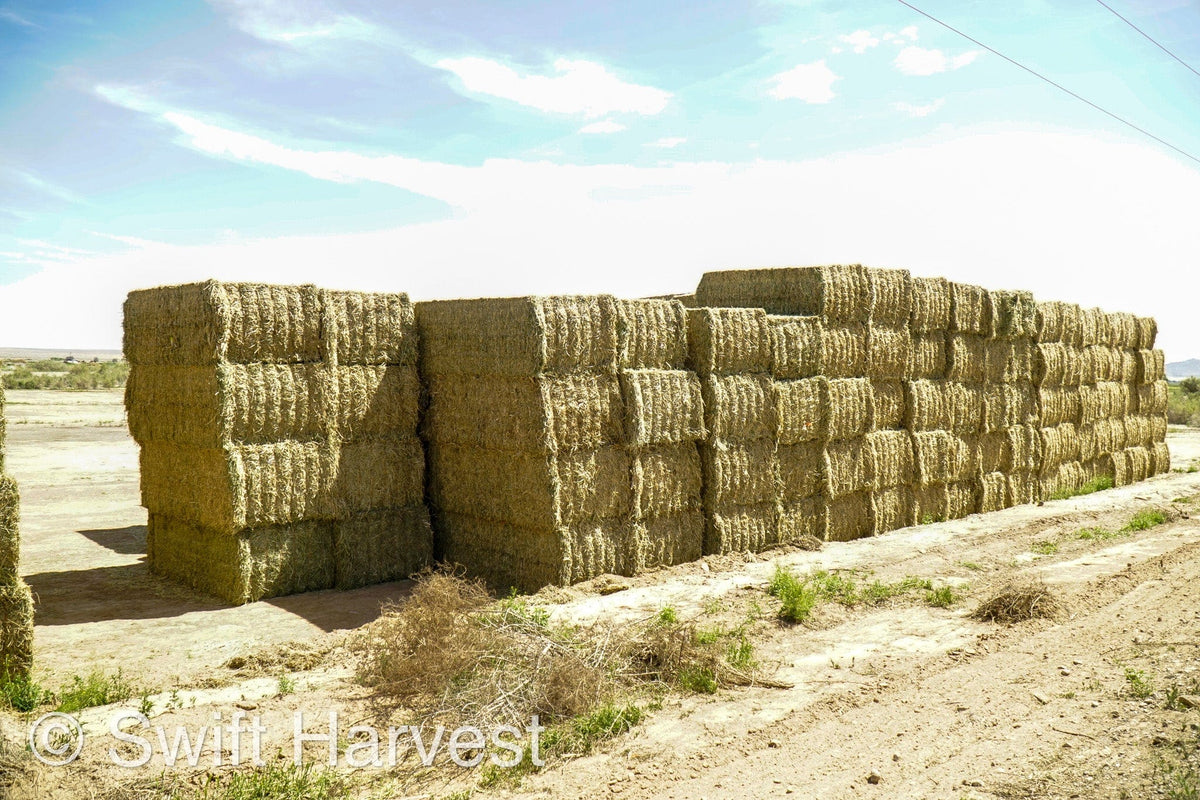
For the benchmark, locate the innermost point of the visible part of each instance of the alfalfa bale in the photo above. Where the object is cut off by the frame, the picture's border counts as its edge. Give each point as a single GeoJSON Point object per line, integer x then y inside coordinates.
{"type": "Point", "coordinates": [741, 529]}
{"type": "Point", "coordinates": [1059, 322]}
{"type": "Point", "coordinates": [808, 516]}
{"type": "Point", "coordinates": [376, 401]}
{"type": "Point", "coordinates": [995, 451]}
{"type": "Point", "coordinates": [844, 350]}
{"type": "Point", "coordinates": [928, 406]}
{"type": "Point", "coordinates": [889, 351]}
{"type": "Point", "coordinates": [1153, 398]}
{"type": "Point", "coordinates": [518, 336]}
{"type": "Point", "coordinates": [1123, 330]}
{"type": "Point", "coordinates": [739, 473]}
{"type": "Point", "coordinates": [580, 409]}
{"type": "Point", "coordinates": [1008, 404]}
{"type": "Point", "coordinates": [802, 470]}
{"type": "Point", "coordinates": [666, 480]}
{"type": "Point", "coordinates": [1008, 360]}
{"type": "Point", "coordinates": [16, 631]}
{"type": "Point", "coordinates": [728, 341]}
{"type": "Point", "coordinates": [970, 309]}
{"type": "Point", "coordinates": [1137, 430]}
{"type": "Point", "coordinates": [1014, 314]}
{"type": "Point", "coordinates": [1128, 366]}
{"type": "Point", "coordinates": [1024, 448]}
{"type": "Point", "coordinates": [1151, 366]}
{"type": "Point", "coordinates": [1060, 444]}
{"type": "Point", "coordinates": [965, 357]}
{"type": "Point", "coordinates": [993, 492]}
{"type": "Point", "coordinates": [739, 407]}
{"type": "Point", "coordinates": [849, 467]}
{"type": "Point", "coordinates": [1137, 463]}
{"type": "Point", "coordinates": [10, 529]}
{"type": "Point", "coordinates": [206, 323]}
{"type": "Point", "coordinates": [243, 567]}
{"type": "Point", "coordinates": [1101, 401]}
{"type": "Point", "coordinates": [850, 517]}
{"type": "Point", "coordinates": [891, 297]}
{"type": "Point", "coordinates": [375, 474]}
{"type": "Point", "coordinates": [967, 407]}
{"type": "Point", "coordinates": [1147, 332]}
{"type": "Point", "coordinates": [851, 408]}
{"type": "Point", "coordinates": [941, 457]}
{"type": "Point", "coordinates": [931, 299]}
{"type": "Point", "coordinates": [1094, 327]}
{"type": "Point", "coordinates": [1057, 364]}
{"type": "Point", "coordinates": [931, 503]}
{"type": "Point", "coordinates": [379, 545]}
{"type": "Point", "coordinates": [1088, 445]}
{"type": "Point", "coordinates": [1160, 459]}
{"type": "Point", "coordinates": [796, 347]}
{"type": "Point", "coordinates": [891, 509]}
{"type": "Point", "coordinates": [506, 557]}
{"type": "Point", "coordinates": [891, 458]}
{"type": "Point", "coordinates": [1099, 363]}
{"type": "Point", "coordinates": [651, 334]}
{"type": "Point", "coordinates": [1058, 404]}
{"type": "Point", "coordinates": [963, 499]}
{"type": "Point", "coordinates": [837, 293]}
{"type": "Point", "coordinates": [928, 356]}
{"type": "Point", "coordinates": [887, 405]}
{"type": "Point", "coordinates": [661, 406]}
{"type": "Point", "coordinates": [368, 328]}
{"type": "Point", "coordinates": [1158, 427]}
{"type": "Point", "coordinates": [1023, 487]}
{"type": "Point", "coordinates": [802, 410]}
{"type": "Point", "coordinates": [669, 540]}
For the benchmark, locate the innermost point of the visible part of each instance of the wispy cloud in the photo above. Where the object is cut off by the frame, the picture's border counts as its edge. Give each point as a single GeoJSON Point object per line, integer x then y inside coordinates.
{"type": "Point", "coordinates": [578, 87]}
{"type": "Point", "coordinates": [297, 25]}
{"type": "Point", "coordinates": [812, 83]}
{"type": "Point", "coordinates": [44, 186]}
{"type": "Point", "coordinates": [915, 60]}
{"type": "Point", "coordinates": [603, 126]}
{"type": "Point", "coordinates": [860, 41]}
{"type": "Point", "coordinates": [668, 142]}
{"type": "Point", "coordinates": [919, 110]}
{"type": "Point", "coordinates": [8, 15]}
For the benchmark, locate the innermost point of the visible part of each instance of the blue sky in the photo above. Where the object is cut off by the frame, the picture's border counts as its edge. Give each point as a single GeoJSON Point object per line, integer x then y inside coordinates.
{"type": "Point", "coordinates": [460, 148]}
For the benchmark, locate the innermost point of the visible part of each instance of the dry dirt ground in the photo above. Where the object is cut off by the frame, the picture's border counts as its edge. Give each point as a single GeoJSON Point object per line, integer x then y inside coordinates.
{"type": "Point", "coordinates": [896, 701]}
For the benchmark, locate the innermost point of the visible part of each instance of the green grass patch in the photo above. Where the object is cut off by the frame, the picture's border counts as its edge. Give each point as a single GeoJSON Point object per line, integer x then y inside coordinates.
{"type": "Point", "coordinates": [1091, 487]}
{"type": "Point", "coordinates": [71, 377]}
{"type": "Point", "coordinates": [1140, 685]}
{"type": "Point", "coordinates": [971, 565]}
{"type": "Point", "coordinates": [96, 689]}
{"type": "Point", "coordinates": [799, 595]}
{"type": "Point", "coordinates": [22, 694]}
{"type": "Point", "coordinates": [1183, 407]}
{"type": "Point", "coordinates": [1099, 534]}
{"type": "Point", "coordinates": [941, 597]}
{"type": "Point", "coordinates": [797, 598]}
{"type": "Point", "coordinates": [667, 616]}
{"type": "Point", "coordinates": [1144, 521]}
{"type": "Point", "coordinates": [274, 782]}
{"type": "Point", "coordinates": [1045, 548]}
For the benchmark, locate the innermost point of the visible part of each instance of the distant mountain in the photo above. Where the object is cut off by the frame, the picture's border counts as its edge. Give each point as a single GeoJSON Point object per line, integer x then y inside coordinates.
{"type": "Point", "coordinates": [1178, 370]}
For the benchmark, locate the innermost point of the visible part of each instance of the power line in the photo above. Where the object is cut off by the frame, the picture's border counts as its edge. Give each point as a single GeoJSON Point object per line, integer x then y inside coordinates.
{"type": "Point", "coordinates": [1148, 36]}
{"type": "Point", "coordinates": [1050, 81]}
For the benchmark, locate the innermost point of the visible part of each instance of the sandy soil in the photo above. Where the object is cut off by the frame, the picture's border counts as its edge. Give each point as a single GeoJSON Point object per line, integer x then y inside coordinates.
{"type": "Point", "coordinates": [897, 701]}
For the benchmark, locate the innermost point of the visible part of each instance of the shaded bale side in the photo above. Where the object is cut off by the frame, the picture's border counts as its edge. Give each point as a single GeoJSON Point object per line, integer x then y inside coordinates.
{"type": "Point", "coordinates": [583, 409]}
{"type": "Point", "coordinates": [931, 503]}
{"type": "Point", "coordinates": [844, 350]}
{"type": "Point", "coordinates": [891, 297]}
{"type": "Point", "coordinates": [381, 545]}
{"type": "Point", "coordinates": [802, 471]}
{"type": "Point", "coordinates": [1137, 464]}
{"type": "Point", "coordinates": [666, 481]}
{"type": "Point", "coordinates": [801, 410]}
{"type": "Point", "coordinates": [519, 336]}
{"type": "Point", "coordinates": [248, 566]}
{"type": "Point", "coordinates": [1151, 366]}
{"type": "Point", "coordinates": [728, 341]}
{"type": "Point", "coordinates": [661, 406]}
{"type": "Point", "coordinates": [1056, 364]}
{"type": "Point", "coordinates": [741, 529]}
{"type": "Point", "coordinates": [669, 540]}
{"type": "Point", "coordinates": [377, 401]}
{"type": "Point", "coordinates": [368, 328]}
{"type": "Point", "coordinates": [1057, 405]}
{"type": "Point", "coordinates": [1088, 443]}
{"type": "Point", "coordinates": [931, 300]}
{"type": "Point", "coordinates": [1137, 430]}
{"type": "Point", "coordinates": [739, 473]}
{"type": "Point", "coordinates": [963, 499]}
{"type": "Point", "coordinates": [891, 509]}
{"type": "Point", "coordinates": [993, 492]}
{"type": "Point", "coordinates": [378, 473]}
{"type": "Point", "coordinates": [1160, 459]}
{"type": "Point", "coordinates": [1147, 332]}
{"type": "Point", "coordinates": [839, 292]}
{"type": "Point", "coordinates": [941, 457]}
{"type": "Point", "coordinates": [970, 309]}
{"type": "Point", "coordinates": [1008, 361]}
{"type": "Point", "coordinates": [503, 556]}
{"type": "Point", "coordinates": [739, 407]}
{"type": "Point", "coordinates": [887, 405]}
{"type": "Point", "coordinates": [803, 517]}
{"type": "Point", "coordinates": [966, 357]}
{"type": "Point", "coordinates": [849, 468]}
{"type": "Point", "coordinates": [16, 631]}
{"type": "Point", "coordinates": [205, 323]}
{"type": "Point", "coordinates": [796, 346]}
{"type": "Point", "coordinates": [851, 408]}
{"type": "Point", "coordinates": [10, 529]}
{"type": "Point", "coordinates": [1153, 398]}
{"type": "Point", "coordinates": [601, 546]}
{"type": "Point", "coordinates": [1023, 487]}
{"type": "Point", "coordinates": [1060, 444]}
{"type": "Point", "coordinates": [1059, 322]}
{"type": "Point", "coordinates": [889, 352]}
{"type": "Point", "coordinates": [850, 517]}
{"type": "Point", "coordinates": [1115, 465]}
{"type": "Point", "coordinates": [651, 334]}
{"type": "Point", "coordinates": [995, 452]}
{"type": "Point", "coordinates": [1014, 315]}
{"type": "Point", "coordinates": [928, 356]}
{"type": "Point", "coordinates": [891, 457]}
{"type": "Point", "coordinates": [1024, 448]}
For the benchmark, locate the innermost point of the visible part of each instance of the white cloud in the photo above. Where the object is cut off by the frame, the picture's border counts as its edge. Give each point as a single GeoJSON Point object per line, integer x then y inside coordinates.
{"type": "Point", "coordinates": [579, 87]}
{"type": "Point", "coordinates": [919, 110]}
{"type": "Point", "coordinates": [298, 25]}
{"type": "Point", "coordinates": [915, 60]}
{"type": "Point", "coordinates": [812, 83]}
{"type": "Point", "coordinates": [668, 142]}
{"type": "Point", "coordinates": [861, 41]}
{"type": "Point", "coordinates": [909, 32]}
{"type": "Point", "coordinates": [15, 18]}
{"type": "Point", "coordinates": [603, 126]}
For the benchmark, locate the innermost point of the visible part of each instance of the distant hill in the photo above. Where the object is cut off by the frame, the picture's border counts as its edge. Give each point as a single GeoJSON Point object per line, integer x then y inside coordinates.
{"type": "Point", "coordinates": [82, 354]}
{"type": "Point", "coordinates": [1178, 370]}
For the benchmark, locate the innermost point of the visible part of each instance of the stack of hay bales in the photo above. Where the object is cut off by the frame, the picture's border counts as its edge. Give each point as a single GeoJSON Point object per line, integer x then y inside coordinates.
{"type": "Point", "coordinates": [1058, 372]}
{"type": "Point", "coordinates": [277, 427]}
{"type": "Point", "coordinates": [16, 602]}
{"type": "Point", "coordinates": [561, 437]}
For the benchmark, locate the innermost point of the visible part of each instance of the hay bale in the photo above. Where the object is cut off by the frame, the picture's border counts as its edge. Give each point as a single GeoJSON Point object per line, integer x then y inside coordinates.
{"type": "Point", "coordinates": [1153, 398]}
{"type": "Point", "coordinates": [931, 503]}
{"type": "Point", "coordinates": [1128, 366]}
{"type": "Point", "coordinates": [844, 350]}
{"type": "Point", "coordinates": [377, 474]}
{"type": "Point", "coordinates": [1160, 459]}
{"type": "Point", "coordinates": [802, 471]}
{"type": "Point", "coordinates": [1059, 445]}
{"type": "Point", "coordinates": [891, 509]}
{"type": "Point", "coordinates": [850, 517]}
{"type": "Point", "coordinates": [728, 341]}
{"type": "Point", "coordinates": [669, 540]}
{"type": "Point", "coordinates": [518, 336]}
{"type": "Point", "coordinates": [837, 293]}
{"type": "Point", "coordinates": [1123, 330]}
{"type": "Point", "coordinates": [801, 410]}
{"type": "Point", "coordinates": [889, 352]}
{"type": "Point", "coordinates": [941, 457]}
{"type": "Point", "coordinates": [651, 334]}
{"type": "Point", "coordinates": [1057, 405]}
{"type": "Point", "coordinates": [381, 545]}
{"type": "Point", "coordinates": [1023, 487]}
{"type": "Point", "coordinates": [504, 556]}
{"type": "Point", "coordinates": [662, 406]}
{"type": "Point", "coordinates": [1147, 332]}
{"type": "Point", "coordinates": [1151, 367]}
{"type": "Point", "coordinates": [1088, 443]}
{"type": "Point", "coordinates": [375, 401]}
{"type": "Point", "coordinates": [928, 356]}
{"type": "Point", "coordinates": [1094, 327]}
{"type": "Point", "coordinates": [1103, 400]}
{"type": "Point", "coordinates": [1014, 315]}
{"type": "Point", "coordinates": [891, 297]}
{"type": "Point", "coordinates": [993, 492]}
{"type": "Point", "coordinates": [851, 408]}
{"type": "Point", "coordinates": [364, 328]}
{"type": "Point", "coordinates": [965, 357]}
{"type": "Point", "coordinates": [207, 323]}
{"type": "Point", "coordinates": [1137, 430]}
{"type": "Point", "coordinates": [887, 405]}
{"type": "Point", "coordinates": [1057, 364]}
{"type": "Point", "coordinates": [244, 567]}
{"type": "Point", "coordinates": [1008, 360]}
{"type": "Point", "coordinates": [1059, 322]}
{"type": "Point", "coordinates": [1109, 436]}
{"type": "Point", "coordinates": [970, 309]}
{"type": "Point", "coordinates": [582, 409]}
{"type": "Point", "coordinates": [1138, 463]}
{"type": "Point", "coordinates": [739, 473]}
{"type": "Point", "coordinates": [1009, 404]}
{"type": "Point", "coordinates": [931, 299]}
{"type": "Point", "coordinates": [666, 481]}
{"type": "Point", "coordinates": [796, 346]}
{"type": "Point", "coordinates": [16, 630]}
{"type": "Point", "coordinates": [1158, 428]}
{"type": "Point", "coordinates": [804, 518]}
{"type": "Point", "coordinates": [1099, 363]}
{"type": "Point", "coordinates": [1024, 448]}
{"type": "Point", "coordinates": [890, 456]}
{"type": "Point", "coordinates": [849, 468]}
{"type": "Point", "coordinates": [10, 529]}
{"type": "Point", "coordinates": [744, 529]}
{"type": "Point", "coordinates": [995, 451]}
{"type": "Point", "coordinates": [928, 406]}
{"type": "Point", "coordinates": [739, 407]}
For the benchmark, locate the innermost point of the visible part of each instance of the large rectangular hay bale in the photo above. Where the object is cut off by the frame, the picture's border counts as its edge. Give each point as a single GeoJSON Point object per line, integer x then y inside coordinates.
{"type": "Point", "coordinates": [1060, 445]}
{"type": "Point", "coordinates": [666, 480]}
{"type": "Point", "coordinates": [942, 457]}
{"type": "Point", "coordinates": [10, 529]}
{"type": "Point", "coordinates": [741, 529]}
{"type": "Point", "coordinates": [378, 473]}
{"type": "Point", "coordinates": [1023, 487]}
{"type": "Point", "coordinates": [970, 309]}
{"type": "Point", "coordinates": [1123, 330]}
{"type": "Point", "coordinates": [662, 406]}
{"type": "Point", "coordinates": [1057, 364]}
{"type": "Point", "coordinates": [851, 408]}
{"type": "Point", "coordinates": [1088, 444]}
{"type": "Point", "coordinates": [891, 509]}
{"type": "Point", "coordinates": [1008, 361]}
{"type": "Point", "coordinates": [1014, 314]}
{"type": "Point", "coordinates": [1059, 322]}
{"type": "Point", "coordinates": [931, 300]}
{"type": "Point", "coordinates": [739, 407]}
{"type": "Point", "coordinates": [729, 341]}
{"type": "Point", "coordinates": [802, 410]}
{"type": "Point", "coordinates": [850, 517]}
{"type": "Point", "coordinates": [966, 357]}
{"type": "Point", "coordinates": [1059, 404]}
{"type": "Point", "coordinates": [1094, 327]}
{"type": "Point", "coordinates": [963, 498]}
{"type": "Point", "coordinates": [844, 350]}
{"type": "Point", "coordinates": [837, 293]}
{"type": "Point", "coordinates": [375, 401]}
{"type": "Point", "coordinates": [993, 492]}
{"type": "Point", "coordinates": [669, 540]}
{"type": "Point", "coordinates": [807, 516]}
{"type": "Point", "coordinates": [889, 352]}
{"type": "Point", "coordinates": [891, 458]}
{"type": "Point", "coordinates": [891, 297]}
{"type": "Point", "coordinates": [1151, 366]}
{"type": "Point", "coordinates": [928, 356]}
{"type": "Point", "coordinates": [944, 405]}
{"type": "Point", "coordinates": [380, 545]}
{"type": "Point", "coordinates": [1024, 448]}
{"type": "Point", "coordinates": [1009, 404]}
{"type": "Point", "coordinates": [16, 631]}
{"type": "Point", "coordinates": [1160, 459]}
{"type": "Point", "coordinates": [887, 405]}
{"type": "Point", "coordinates": [739, 473]}
{"type": "Point", "coordinates": [802, 470]}
{"type": "Point", "coordinates": [931, 503]}
{"type": "Point", "coordinates": [849, 467]}
{"type": "Point", "coordinates": [1153, 398]}
{"type": "Point", "coordinates": [796, 346]}
{"type": "Point", "coordinates": [651, 334]}
{"type": "Point", "coordinates": [995, 451]}
{"type": "Point", "coordinates": [1147, 332]}
{"type": "Point", "coordinates": [1099, 363]}
{"type": "Point", "coordinates": [368, 328]}
{"type": "Point", "coordinates": [1102, 400]}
